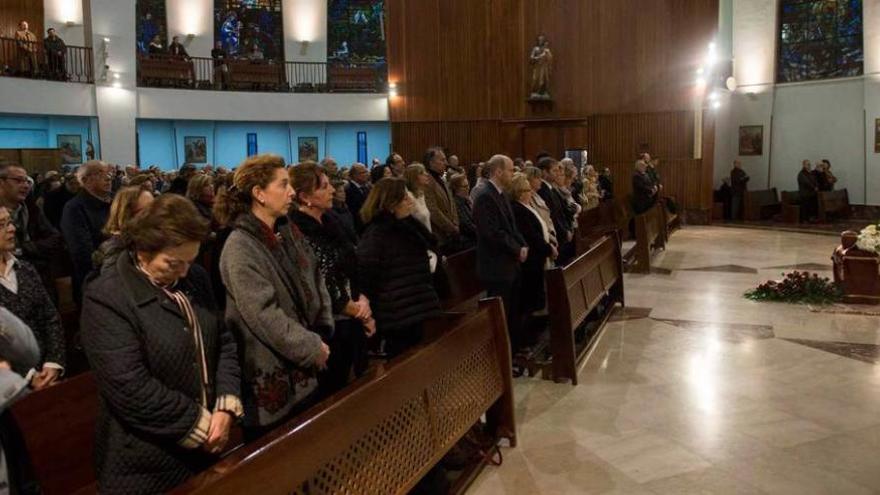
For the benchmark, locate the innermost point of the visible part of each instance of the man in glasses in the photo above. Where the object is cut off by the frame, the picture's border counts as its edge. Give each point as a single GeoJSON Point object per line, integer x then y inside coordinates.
{"type": "Point", "coordinates": [84, 218]}
{"type": "Point", "coordinates": [36, 240]}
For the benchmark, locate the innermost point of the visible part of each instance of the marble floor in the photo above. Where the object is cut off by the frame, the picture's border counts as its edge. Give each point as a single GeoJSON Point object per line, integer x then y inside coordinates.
{"type": "Point", "coordinates": [695, 389]}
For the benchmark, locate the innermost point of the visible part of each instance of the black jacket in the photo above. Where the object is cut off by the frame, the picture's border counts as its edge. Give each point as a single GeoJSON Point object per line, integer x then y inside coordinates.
{"type": "Point", "coordinates": [394, 272]}
{"type": "Point", "coordinates": [466, 225]}
{"type": "Point", "coordinates": [643, 197]}
{"type": "Point", "coordinates": [558, 211]}
{"type": "Point", "coordinates": [739, 180]}
{"type": "Point", "coordinates": [146, 366]}
{"type": "Point", "coordinates": [532, 294]}
{"type": "Point", "coordinates": [82, 223]}
{"type": "Point", "coordinates": [498, 240]}
{"type": "Point", "coordinates": [32, 305]}
{"type": "Point", "coordinates": [607, 186]}
{"type": "Point", "coordinates": [355, 196]}
{"type": "Point", "coordinates": [807, 184]}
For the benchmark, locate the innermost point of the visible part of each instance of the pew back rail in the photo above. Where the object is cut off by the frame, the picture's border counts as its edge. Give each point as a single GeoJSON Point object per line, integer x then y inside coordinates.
{"type": "Point", "coordinates": [651, 233]}
{"type": "Point", "coordinates": [573, 292]}
{"type": "Point", "coordinates": [384, 435]}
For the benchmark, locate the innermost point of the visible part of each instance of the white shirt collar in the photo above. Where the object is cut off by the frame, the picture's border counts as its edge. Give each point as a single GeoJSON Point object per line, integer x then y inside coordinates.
{"type": "Point", "coordinates": [497, 187]}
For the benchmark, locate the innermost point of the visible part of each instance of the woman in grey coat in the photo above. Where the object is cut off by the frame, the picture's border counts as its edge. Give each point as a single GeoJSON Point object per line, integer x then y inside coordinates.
{"type": "Point", "coordinates": [277, 303]}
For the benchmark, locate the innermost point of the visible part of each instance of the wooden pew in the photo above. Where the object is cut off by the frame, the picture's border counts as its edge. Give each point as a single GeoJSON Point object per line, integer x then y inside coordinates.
{"type": "Point", "coordinates": [650, 235]}
{"type": "Point", "coordinates": [834, 203]}
{"type": "Point", "coordinates": [343, 78]}
{"type": "Point", "coordinates": [573, 292]}
{"type": "Point", "coordinates": [384, 434]}
{"type": "Point", "coordinates": [158, 70]}
{"type": "Point", "coordinates": [593, 224]}
{"type": "Point", "coordinates": [791, 206]}
{"type": "Point", "coordinates": [58, 425]}
{"type": "Point", "coordinates": [762, 204]}
{"type": "Point", "coordinates": [461, 287]}
{"type": "Point", "coordinates": [246, 74]}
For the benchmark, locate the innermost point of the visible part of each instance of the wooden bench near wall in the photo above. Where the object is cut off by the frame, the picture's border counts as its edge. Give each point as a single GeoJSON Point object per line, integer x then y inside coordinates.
{"type": "Point", "coordinates": [791, 206]}
{"type": "Point", "coordinates": [573, 293]}
{"type": "Point", "coordinates": [761, 204]}
{"type": "Point", "coordinates": [834, 203]}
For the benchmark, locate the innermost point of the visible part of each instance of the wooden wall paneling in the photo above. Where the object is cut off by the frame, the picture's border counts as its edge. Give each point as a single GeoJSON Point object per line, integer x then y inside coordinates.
{"type": "Point", "coordinates": [41, 160]}
{"type": "Point", "coordinates": [542, 138]}
{"type": "Point", "coordinates": [10, 156]}
{"type": "Point", "coordinates": [707, 180]}
{"type": "Point", "coordinates": [14, 11]}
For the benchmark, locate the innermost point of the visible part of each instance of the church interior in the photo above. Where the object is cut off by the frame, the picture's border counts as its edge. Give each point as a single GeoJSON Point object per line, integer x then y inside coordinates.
{"type": "Point", "coordinates": [435, 247]}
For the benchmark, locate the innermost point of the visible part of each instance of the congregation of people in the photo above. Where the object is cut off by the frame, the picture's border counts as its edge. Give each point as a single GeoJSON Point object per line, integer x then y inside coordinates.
{"type": "Point", "coordinates": [210, 297]}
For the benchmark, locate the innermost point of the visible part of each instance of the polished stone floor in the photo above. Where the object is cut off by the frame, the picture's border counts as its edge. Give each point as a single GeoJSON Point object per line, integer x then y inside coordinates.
{"type": "Point", "coordinates": [695, 389]}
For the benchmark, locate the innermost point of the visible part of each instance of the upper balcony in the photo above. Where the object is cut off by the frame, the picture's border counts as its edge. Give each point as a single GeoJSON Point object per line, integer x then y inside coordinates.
{"type": "Point", "coordinates": [33, 60]}
{"type": "Point", "coordinates": [166, 71]}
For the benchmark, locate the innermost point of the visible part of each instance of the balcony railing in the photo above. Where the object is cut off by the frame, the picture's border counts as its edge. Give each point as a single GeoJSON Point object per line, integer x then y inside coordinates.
{"type": "Point", "coordinates": [33, 61]}
{"type": "Point", "coordinates": [165, 71]}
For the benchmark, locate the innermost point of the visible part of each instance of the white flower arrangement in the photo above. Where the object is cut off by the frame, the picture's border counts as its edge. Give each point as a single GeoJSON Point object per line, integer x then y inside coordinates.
{"type": "Point", "coordinates": [869, 239]}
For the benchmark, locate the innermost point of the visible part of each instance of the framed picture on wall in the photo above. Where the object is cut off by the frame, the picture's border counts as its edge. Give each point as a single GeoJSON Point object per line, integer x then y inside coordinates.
{"type": "Point", "coordinates": [876, 135]}
{"type": "Point", "coordinates": [71, 148]}
{"type": "Point", "coordinates": [751, 140]}
{"type": "Point", "coordinates": [251, 144]}
{"type": "Point", "coordinates": [195, 149]}
{"type": "Point", "coordinates": [308, 149]}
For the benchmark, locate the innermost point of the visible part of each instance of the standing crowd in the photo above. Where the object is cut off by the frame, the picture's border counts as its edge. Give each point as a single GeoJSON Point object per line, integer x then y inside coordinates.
{"type": "Point", "coordinates": [213, 297]}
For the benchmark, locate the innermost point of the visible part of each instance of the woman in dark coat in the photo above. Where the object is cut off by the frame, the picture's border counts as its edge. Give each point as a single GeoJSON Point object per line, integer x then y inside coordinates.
{"type": "Point", "coordinates": [537, 236]}
{"type": "Point", "coordinates": [461, 191]}
{"type": "Point", "coordinates": [335, 253]}
{"type": "Point", "coordinates": [395, 264]}
{"type": "Point", "coordinates": [166, 367]}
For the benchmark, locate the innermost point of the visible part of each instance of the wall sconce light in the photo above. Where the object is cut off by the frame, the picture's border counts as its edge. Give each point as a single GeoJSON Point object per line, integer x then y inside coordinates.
{"type": "Point", "coordinates": [392, 90]}
{"type": "Point", "coordinates": [303, 47]}
{"type": "Point", "coordinates": [72, 24]}
{"type": "Point", "coordinates": [190, 36]}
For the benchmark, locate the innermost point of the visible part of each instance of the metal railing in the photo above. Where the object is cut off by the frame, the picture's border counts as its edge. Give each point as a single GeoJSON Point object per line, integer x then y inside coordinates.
{"type": "Point", "coordinates": [32, 60]}
{"type": "Point", "coordinates": [165, 71]}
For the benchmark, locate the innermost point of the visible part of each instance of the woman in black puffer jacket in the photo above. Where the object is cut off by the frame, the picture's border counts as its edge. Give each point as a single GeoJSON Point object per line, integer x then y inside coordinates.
{"type": "Point", "coordinates": [396, 259]}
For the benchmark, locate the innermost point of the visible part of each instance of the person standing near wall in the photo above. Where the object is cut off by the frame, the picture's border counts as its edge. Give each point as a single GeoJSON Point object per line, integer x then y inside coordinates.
{"type": "Point", "coordinates": [739, 180]}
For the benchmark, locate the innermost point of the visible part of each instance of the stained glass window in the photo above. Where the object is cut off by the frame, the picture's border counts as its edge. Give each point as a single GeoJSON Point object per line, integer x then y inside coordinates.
{"type": "Point", "coordinates": [356, 33]}
{"type": "Point", "coordinates": [249, 28]}
{"type": "Point", "coordinates": [819, 39]}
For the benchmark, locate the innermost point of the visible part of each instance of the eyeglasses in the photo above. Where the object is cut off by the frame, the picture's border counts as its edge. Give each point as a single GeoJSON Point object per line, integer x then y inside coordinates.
{"type": "Point", "coordinates": [17, 180]}
{"type": "Point", "coordinates": [5, 224]}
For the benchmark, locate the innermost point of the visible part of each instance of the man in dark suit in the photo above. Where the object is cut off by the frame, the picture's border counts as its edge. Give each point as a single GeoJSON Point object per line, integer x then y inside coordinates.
{"type": "Point", "coordinates": [739, 180]}
{"type": "Point", "coordinates": [500, 247]}
{"type": "Point", "coordinates": [563, 221]}
{"type": "Point", "coordinates": [644, 190]}
{"type": "Point", "coordinates": [808, 192]}
{"type": "Point", "coordinates": [356, 192]}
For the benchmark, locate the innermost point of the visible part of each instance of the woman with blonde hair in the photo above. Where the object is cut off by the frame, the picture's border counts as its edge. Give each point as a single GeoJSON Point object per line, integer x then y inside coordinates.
{"type": "Point", "coordinates": [590, 196]}
{"type": "Point", "coordinates": [126, 204]}
{"type": "Point", "coordinates": [277, 303]}
{"type": "Point", "coordinates": [417, 179]}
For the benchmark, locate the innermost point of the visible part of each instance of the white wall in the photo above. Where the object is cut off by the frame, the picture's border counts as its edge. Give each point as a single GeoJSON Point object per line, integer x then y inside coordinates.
{"type": "Point", "coordinates": [305, 20]}
{"type": "Point", "coordinates": [260, 107]}
{"type": "Point", "coordinates": [811, 120]}
{"type": "Point", "coordinates": [56, 15]}
{"type": "Point", "coordinates": [192, 17]}
{"type": "Point", "coordinates": [24, 96]}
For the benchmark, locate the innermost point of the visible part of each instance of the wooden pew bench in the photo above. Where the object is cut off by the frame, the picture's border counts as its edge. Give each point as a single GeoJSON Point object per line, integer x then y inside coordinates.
{"type": "Point", "coordinates": [384, 434]}
{"type": "Point", "coordinates": [791, 206]}
{"type": "Point", "coordinates": [342, 78]}
{"type": "Point", "coordinates": [245, 74]}
{"type": "Point", "coordinates": [650, 235]}
{"type": "Point", "coordinates": [593, 224]}
{"type": "Point", "coordinates": [573, 294]}
{"type": "Point", "coordinates": [461, 288]}
{"type": "Point", "coordinates": [762, 204]}
{"type": "Point", "coordinates": [833, 204]}
{"type": "Point", "coordinates": [160, 71]}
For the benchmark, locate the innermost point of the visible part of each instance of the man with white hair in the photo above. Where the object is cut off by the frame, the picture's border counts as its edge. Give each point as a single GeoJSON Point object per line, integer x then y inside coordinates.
{"type": "Point", "coordinates": [84, 217]}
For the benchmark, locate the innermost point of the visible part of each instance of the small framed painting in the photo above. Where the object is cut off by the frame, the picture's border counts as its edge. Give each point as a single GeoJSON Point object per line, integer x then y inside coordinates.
{"type": "Point", "coordinates": [195, 149]}
{"type": "Point", "coordinates": [751, 140]}
{"type": "Point", "coordinates": [251, 144]}
{"type": "Point", "coordinates": [308, 149]}
{"type": "Point", "coordinates": [71, 148]}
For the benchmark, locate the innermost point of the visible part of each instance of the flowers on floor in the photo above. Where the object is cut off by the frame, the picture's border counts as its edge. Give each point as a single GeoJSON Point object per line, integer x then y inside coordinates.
{"type": "Point", "coordinates": [869, 239]}
{"type": "Point", "coordinates": [798, 287]}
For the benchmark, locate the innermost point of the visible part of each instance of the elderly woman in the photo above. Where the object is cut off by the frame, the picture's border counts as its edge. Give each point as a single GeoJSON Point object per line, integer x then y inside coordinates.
{"type": "Point", "coordinates": [395, 263]}
{"type": "Point", "coordinates": [200, 191]}
{"type": "Point", "coordinates": [536, 232]}
{"type": "Point", "coordinates": [590, 195]}
{"type": "Point", "coordinates": [277, 303]}
{"type": "Point", "coordinates": [461, 192]}
{"type": "Point", "coordinates": [166, 367]}
{"type": "Point", "coordinates": [335, 252]}
{"type": "Point", "coordinates": [23, 294]}
{"type": "Point", "coordinates": [417, 179]}
{"type": "Point", "coordinates": [535, 177]}
{"type": "Point", "coordinates": [126, 204]}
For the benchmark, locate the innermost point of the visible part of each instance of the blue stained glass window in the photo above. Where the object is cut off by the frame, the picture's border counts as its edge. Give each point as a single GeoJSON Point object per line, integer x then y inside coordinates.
{"type": "Point", "coordinates": [819, 39]}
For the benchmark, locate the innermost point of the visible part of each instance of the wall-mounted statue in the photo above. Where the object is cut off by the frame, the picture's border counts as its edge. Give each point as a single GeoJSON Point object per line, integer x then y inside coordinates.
{"type": "Point", "coordinates": [541, 60]}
